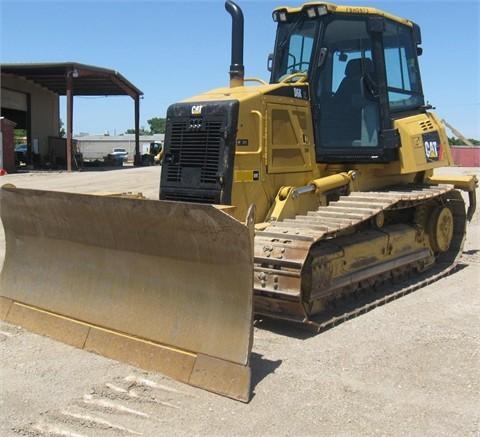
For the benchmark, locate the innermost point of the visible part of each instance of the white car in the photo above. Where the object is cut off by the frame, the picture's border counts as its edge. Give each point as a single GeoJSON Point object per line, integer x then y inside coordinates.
{"type": "Point", "coordinates": [118, 152]}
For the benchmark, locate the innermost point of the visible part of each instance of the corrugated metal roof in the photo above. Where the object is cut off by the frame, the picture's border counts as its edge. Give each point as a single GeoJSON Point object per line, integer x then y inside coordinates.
{"type": "Point", "coordinates": [88, 80]}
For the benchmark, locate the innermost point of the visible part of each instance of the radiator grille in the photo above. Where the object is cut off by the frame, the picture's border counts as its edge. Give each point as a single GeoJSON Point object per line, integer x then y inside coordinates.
{"type": "Point", "coordinates": [199, 154]}
{"type": "Point", "coordinates": [195, 143]}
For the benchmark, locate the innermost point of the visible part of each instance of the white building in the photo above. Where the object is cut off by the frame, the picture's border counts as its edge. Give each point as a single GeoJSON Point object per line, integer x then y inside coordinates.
{"type": "Point", "coordinates": [97, 146]}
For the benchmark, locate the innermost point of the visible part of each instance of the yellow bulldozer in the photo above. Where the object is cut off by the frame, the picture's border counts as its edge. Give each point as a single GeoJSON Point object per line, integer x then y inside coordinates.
{"type": "Point", "coordinates": [277, 199]}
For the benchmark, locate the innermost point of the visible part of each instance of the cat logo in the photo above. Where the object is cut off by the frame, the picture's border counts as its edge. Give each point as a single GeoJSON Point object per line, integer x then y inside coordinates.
{"type": "Point", "coordinates": [432, 146]}
{"type": "Point", "coordinates": [197, 109]}
{"type": "Point", "coordinates": [431, 150]}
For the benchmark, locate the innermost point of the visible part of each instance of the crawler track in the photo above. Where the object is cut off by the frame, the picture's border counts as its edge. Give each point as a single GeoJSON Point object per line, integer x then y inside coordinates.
{"type": "Point", "coordinates": [289, 282]}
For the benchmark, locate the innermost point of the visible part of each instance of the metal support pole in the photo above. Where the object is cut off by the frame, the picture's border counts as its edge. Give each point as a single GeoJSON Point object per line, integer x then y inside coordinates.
{"type": "Point", "coordinates": [29, 132]}
{"type": "Point", "coordinates": [138, 158]}
{"type": "Point", "coordinates": [1, 143]}
{"type": "Point", "coordinates": [69, 119]}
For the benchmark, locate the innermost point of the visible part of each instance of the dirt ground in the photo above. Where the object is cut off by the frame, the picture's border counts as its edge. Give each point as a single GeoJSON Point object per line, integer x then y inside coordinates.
{"type": "Point", "coordinates": [411, 367]}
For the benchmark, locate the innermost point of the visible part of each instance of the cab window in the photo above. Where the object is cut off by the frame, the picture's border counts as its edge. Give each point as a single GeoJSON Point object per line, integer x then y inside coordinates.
{"type": "Point", "coordinates": [403, 76]}
{"type": "Point", "coordinates": [347, 110]}
{"type": "Point", "coordinates": [294, 48]}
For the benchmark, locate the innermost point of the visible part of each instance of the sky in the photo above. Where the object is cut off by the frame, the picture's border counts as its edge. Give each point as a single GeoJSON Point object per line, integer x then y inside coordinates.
{"type": "Point", "coordinates": [174, 49]}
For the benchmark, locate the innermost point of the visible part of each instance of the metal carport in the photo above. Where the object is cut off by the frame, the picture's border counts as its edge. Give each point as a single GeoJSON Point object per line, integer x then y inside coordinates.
{"type": "Point", "coordinates": [73, 79]}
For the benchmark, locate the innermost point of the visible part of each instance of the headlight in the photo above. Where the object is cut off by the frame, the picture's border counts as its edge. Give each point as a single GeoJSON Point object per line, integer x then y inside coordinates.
{"type": "Point", "coordinates": [322, 10]}
{"type": "Point", "coordinates": [279, 16]}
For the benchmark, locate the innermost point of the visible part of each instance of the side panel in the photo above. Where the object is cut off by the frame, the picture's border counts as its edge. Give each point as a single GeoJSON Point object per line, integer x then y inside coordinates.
{"type": "Point", "coordinates": [424, 143]}
{"type": "Point", "coordinates": [289, 139]}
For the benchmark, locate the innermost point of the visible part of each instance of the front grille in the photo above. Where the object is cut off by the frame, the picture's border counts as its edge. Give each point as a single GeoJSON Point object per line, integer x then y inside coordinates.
{"type": "Point", "coordinates": [199, 152]}
{"type": "Point", "coordinates": [195, 144]}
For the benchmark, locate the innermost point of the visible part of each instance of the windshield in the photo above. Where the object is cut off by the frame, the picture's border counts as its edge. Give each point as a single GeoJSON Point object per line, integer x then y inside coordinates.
{"type": "Point", "coordinates": [294, 47]}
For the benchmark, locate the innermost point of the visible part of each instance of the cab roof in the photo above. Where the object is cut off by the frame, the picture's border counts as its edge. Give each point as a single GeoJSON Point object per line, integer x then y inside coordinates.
{"type": "Point", "coordinates": [343, 9]}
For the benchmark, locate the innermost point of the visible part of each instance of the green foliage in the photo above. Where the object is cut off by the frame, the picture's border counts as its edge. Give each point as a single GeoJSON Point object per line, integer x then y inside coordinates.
{"type": "Point", "coordinates": [454, 141]}
{"type": "Point", "coordinates": [61, 130]}
{"type": "Point", "coordinates": [20, 136]}
{"type": "Point", "coordinates": [157, 125]}
{"type": "Point", "coordinates": [458, 142]}
{"type": "Point", "coordinates": [141, 131]}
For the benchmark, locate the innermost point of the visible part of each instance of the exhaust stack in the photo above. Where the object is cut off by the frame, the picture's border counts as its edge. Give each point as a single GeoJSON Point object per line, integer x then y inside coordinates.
{"type": "Point", "coordinates": [237, 69]}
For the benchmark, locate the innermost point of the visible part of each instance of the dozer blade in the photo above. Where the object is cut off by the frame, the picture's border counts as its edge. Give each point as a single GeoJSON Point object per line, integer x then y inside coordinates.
{"type": "Point", "coordinates": [165, 286]}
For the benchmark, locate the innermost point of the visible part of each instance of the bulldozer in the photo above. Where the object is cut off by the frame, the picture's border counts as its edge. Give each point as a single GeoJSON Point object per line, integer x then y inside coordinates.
{"type": "Point", "coordinates": [277, 200]}
{"type": "Point", "coordinates": [152, 154]}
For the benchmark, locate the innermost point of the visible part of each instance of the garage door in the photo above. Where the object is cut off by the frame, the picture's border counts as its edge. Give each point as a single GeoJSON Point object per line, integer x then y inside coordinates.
{"type": "Point", "coordinates": [14, 100]}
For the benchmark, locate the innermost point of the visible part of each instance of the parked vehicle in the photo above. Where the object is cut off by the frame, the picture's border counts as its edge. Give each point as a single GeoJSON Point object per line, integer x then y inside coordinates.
{"type": "Point", "coordinates": [21, 154]}
{"type": "Point", "coordinates": [152, 153]}
{"type": "Point", "coordinates": [119, 152]}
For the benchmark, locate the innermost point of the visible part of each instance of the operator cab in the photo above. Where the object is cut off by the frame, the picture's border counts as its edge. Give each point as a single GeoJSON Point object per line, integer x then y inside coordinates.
{"type": "Point", "coordinates": [362, 70]}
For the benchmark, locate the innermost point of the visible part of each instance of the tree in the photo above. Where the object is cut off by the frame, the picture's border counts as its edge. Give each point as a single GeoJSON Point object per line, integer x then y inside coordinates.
{"type": "Point", "coordinates": [157, 125]}
{"type": "Point", "coordinates": [20, 136]}
{"type": "Point", "coordinates": [455, 141]}
{"type": "Point", "coordinates": [61, 129]}
{"type": "Point", "coordinates": [141, 131]}
{"type": "Point", "coordinates": [459, 142]}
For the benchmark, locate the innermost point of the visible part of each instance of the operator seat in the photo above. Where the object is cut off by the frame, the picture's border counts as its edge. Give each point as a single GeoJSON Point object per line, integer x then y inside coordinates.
{"type": "Point", "coordinates": [352, 84]}
{"type": "Point", "coordinates": [353, 118]}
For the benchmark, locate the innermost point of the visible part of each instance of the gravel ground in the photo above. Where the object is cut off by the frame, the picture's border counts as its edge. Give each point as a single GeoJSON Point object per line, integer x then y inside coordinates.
{"type": "Point", "coordinates": [408, 368]}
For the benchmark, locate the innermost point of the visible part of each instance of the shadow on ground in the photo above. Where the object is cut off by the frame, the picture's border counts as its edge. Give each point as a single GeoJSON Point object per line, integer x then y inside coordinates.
{"type": "Point", "coordinates": [261, 367]}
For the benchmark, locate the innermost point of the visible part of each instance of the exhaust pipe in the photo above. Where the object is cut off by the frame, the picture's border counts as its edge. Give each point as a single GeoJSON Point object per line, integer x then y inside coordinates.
{"type": "Point", "coordinates": [237, 70]}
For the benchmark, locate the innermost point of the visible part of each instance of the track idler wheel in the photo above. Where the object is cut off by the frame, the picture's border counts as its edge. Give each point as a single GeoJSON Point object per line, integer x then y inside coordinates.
{"type": "Point", "coordinates": [440, 228]}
